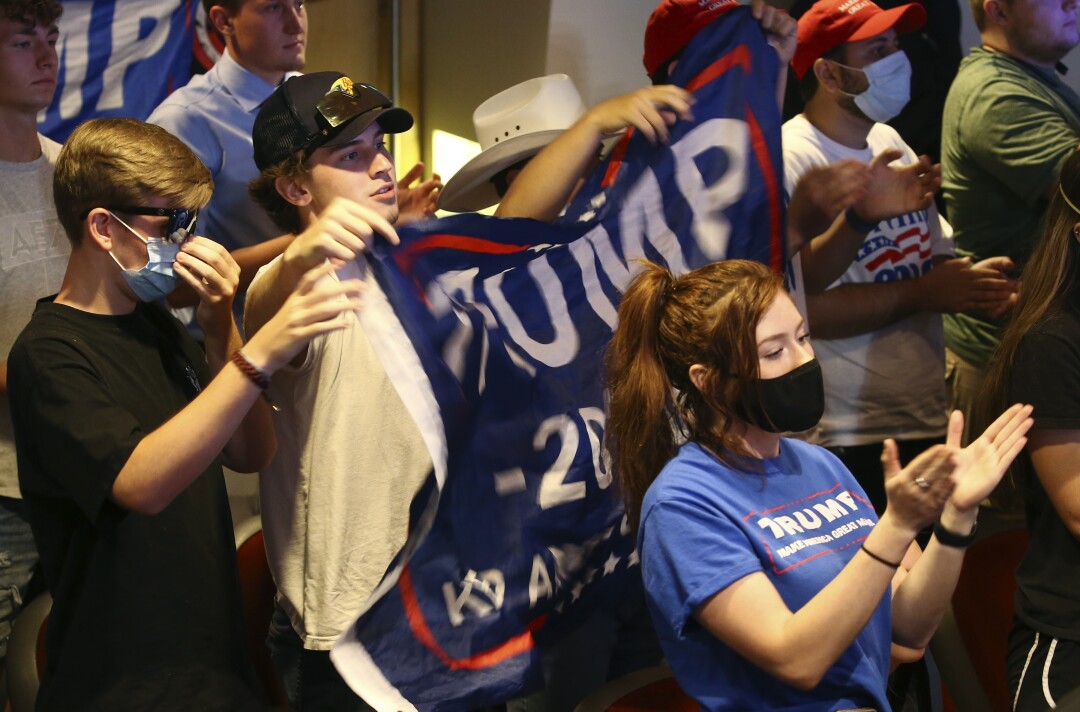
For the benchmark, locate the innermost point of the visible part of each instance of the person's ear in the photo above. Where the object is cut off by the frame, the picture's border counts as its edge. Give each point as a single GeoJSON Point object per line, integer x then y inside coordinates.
{"type": "Point", "coordinates": [1076, 231]}
{"type": "Point", "coordinates": [293, 190]}
{"type": "Point", "coordinates": [995, 11]}
{"type": "Point", "coordinates": [697, 375]}
{"type": "Point", "coordinates": [827, 74]}
{"type": "Point", "coordinates": [221, 20]}
{"type": "Point", "coordinates": [97, 229]}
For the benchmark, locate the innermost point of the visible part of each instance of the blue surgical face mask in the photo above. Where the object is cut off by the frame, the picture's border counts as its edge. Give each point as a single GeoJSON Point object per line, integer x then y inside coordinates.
{"type": "Point", "coordinates": [156, 279]}
{"type": "Point", "coordinates": [889, 87]}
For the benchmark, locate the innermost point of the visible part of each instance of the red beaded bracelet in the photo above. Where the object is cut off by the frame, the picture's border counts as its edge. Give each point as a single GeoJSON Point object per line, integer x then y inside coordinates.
{"type": "Point", "coordinates": [254, 375]}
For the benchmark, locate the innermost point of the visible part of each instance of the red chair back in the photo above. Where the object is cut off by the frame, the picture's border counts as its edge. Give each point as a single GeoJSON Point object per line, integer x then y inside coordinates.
{"type": "Point", "coordinates": [257, 590]}
{"type": "Point", "coordinates": [983, 604]}
{"type": "Point", "coordinates": [663, 695]}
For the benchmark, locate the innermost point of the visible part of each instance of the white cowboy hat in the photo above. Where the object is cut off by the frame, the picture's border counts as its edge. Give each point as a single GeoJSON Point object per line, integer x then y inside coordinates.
{"type": "Point", "coordinates": [511, 126]}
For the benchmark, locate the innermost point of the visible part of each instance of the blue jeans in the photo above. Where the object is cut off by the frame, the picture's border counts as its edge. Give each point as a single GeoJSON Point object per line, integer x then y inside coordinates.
{"type": "Point", "coordinates": [18, 557]}
{"type": "Point", "coordinates": [311, 680]}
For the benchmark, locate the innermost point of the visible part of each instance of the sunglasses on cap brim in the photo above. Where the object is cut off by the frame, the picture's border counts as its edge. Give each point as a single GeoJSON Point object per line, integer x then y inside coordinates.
{"type": "Point", "coordinates": [340, 106]}
{"type": "Point", "coordinates": [181, 223]}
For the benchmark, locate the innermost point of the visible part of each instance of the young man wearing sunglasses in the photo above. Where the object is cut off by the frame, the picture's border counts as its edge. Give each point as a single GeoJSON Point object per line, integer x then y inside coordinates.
{"type": "Point", "coordinates": [265, 43]}
{"type": "Point", "coordinates": [336, 497]}
{"type": "Point", "coordinates": [122, 425]}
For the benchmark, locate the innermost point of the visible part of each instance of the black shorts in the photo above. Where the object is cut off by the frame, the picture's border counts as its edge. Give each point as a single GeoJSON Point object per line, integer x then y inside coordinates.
{"type": "Point", "coordinates": [1042, 669]}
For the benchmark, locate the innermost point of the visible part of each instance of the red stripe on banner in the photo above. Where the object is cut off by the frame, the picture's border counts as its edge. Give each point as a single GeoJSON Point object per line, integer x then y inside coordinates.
{"type": "Point", "coordinates": [408, 255]}
{"type": "Point", "coordinates": [617, 154]}
{"type": "Point", "coordinates": [738, 57]}
{"type": "Point", "coordinates": [489, 658]}
{"type": "Point", "coordinates": [772, 186]}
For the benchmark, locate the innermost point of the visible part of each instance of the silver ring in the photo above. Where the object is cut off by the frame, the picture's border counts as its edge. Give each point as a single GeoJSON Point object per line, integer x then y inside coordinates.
{"type": "Point", "coordinates": [922, 483]}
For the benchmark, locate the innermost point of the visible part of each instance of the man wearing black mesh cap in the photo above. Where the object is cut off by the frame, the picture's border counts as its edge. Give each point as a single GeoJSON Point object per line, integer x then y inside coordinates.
{"type": "Point", "coordinates": [335, 499]}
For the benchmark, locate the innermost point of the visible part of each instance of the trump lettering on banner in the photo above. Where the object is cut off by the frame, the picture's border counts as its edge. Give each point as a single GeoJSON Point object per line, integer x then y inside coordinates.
{"type": "Point", "coordinates": [520, 532]}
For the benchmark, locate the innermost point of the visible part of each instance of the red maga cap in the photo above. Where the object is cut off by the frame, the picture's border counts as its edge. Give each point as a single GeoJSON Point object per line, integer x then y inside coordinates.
{"type": "Point", "coordinates": [831, 23]}
{"type": "Point", "coordinates": [674, 23]}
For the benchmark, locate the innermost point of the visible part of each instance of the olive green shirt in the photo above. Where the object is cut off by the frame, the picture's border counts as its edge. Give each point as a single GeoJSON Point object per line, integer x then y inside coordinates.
{"type": "Point", "coordinates": [1007, 129]}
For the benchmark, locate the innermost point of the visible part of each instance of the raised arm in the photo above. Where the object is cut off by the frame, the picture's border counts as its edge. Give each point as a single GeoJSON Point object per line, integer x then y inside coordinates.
{"type": "Point", "coordinates": [922, 597]}
{"type": "Point", "coordinates": [211, 273]}
{"type": "Point", "coordinates": [167, 460]}
{"type": "Point", "coordinates": [1055, 455]}
{"type": "Point", "coordinates": [547, 182]}
{"type": "Point", "coordinates": [752, 618]}
{"type": "Point", "coordinates": [342, 231]}
{"type": "Point", "coordinates": [250, 259]}
{"type": "Point", "coordinates": [417, 201]}
{"type": "Point", "coordinates": [781, 32]}
{"type": "Point", "coordinates": [953, 285]}
{"type": "Point", "coordinates": [828, 237]}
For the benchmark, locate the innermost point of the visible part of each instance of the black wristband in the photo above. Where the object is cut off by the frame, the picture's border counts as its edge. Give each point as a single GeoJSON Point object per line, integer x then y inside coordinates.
{"type": "Point", "coordinates": [958, 541]}
{"type": "Point", "coordinates": [858, 224]}
{"type": "Point", "coordinates": [880, 559]}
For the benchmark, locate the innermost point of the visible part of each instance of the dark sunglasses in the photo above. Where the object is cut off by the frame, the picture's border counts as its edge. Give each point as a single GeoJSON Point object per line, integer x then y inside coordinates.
{"type": "Point", "coordinates": [181, 222]}
{"type": "Point", "coordinates": [346, 100]}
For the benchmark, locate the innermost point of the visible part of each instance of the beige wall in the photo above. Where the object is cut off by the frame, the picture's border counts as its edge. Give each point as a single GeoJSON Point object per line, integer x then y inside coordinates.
{"type": "Point", "coordinates": [599, 43]}
{"type": "Point", "coordinates": [471, 49]}
{"type": "Point", "coordinates": [348, 36]}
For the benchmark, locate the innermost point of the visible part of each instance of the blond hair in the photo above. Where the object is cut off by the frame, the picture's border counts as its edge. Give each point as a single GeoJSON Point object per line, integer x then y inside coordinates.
{"type": "Point", "coordinates": [120, 161]}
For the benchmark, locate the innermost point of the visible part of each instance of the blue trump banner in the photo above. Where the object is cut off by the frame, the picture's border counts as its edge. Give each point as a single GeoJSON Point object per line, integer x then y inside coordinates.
{"type": "Point", "coordinates": [119, 59]}
{"type": "Point", "coordinates": [519, 533]}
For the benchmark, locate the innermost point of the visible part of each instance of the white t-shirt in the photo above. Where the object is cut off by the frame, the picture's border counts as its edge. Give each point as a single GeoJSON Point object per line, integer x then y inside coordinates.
{"type": "Point", "coordinates": [889, 382]}
{"type": "Point", "coordinates": [335, 499]}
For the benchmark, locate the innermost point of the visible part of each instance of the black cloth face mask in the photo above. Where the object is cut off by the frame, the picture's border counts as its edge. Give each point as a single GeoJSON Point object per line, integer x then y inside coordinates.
{"type": "Point", "coordinates": [786, 404]}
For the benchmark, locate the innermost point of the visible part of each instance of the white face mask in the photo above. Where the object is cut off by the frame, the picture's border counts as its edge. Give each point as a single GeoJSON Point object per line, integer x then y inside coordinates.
{"type": "Point", "coordinates": [889, 87]}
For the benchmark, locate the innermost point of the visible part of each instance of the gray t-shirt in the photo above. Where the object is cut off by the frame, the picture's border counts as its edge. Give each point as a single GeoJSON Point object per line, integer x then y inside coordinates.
{"type": "Point", "coordinates": [33, 257]}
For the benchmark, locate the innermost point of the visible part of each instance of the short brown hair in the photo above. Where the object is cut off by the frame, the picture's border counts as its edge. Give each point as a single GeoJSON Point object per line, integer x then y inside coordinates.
{"type": "Point", "coordinates": [45, 12]}
{"type": "Point", "coordinates": [263, 190]}
{"type": "Point", "coordinates": [808, 84]}
{"type": "Point", "coordinates": [121, 161]}
{"type": "Point", "coordinates": [231, 6]}
{"type": "Point", "coordinates": [978, 13]}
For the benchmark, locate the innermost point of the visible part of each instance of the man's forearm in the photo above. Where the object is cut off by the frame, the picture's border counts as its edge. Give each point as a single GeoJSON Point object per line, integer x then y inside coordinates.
{"type": "Point", "coordinates": [544, 186]}
{"type": "Point", "coordinates": [853, 309]}
{"type": "Point", "coordinates": [169, 459]}
{"type": "Point", "coordinates": [827, 256]}
{"type": "Point", "coordinates": [266, 296]}
{"type": "Point", "coordinates": [251, 259]}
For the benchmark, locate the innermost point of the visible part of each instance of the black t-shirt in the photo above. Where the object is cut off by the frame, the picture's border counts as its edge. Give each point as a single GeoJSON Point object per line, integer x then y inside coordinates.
{"type": "Point", "coordinates": [141, 604]}
{"type": "Point", "coordinates": [1046, 374]}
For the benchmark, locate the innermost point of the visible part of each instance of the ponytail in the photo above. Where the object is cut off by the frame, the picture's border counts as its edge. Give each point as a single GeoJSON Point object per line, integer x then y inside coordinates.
{"type": "Point", "coordinates": [640, 432]}
{"type": "Point", "coordinates": [667, 324]}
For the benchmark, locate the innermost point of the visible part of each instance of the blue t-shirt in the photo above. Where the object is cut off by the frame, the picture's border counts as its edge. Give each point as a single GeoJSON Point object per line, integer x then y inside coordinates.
{"type": "Point", "coordinates": [800, 520]}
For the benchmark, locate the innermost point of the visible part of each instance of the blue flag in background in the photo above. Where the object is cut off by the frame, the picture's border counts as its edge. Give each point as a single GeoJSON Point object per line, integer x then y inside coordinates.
{"type": "Point", "coordinates": [520, 532]}
{"type": "Point", "coordinates": [119, 59]}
